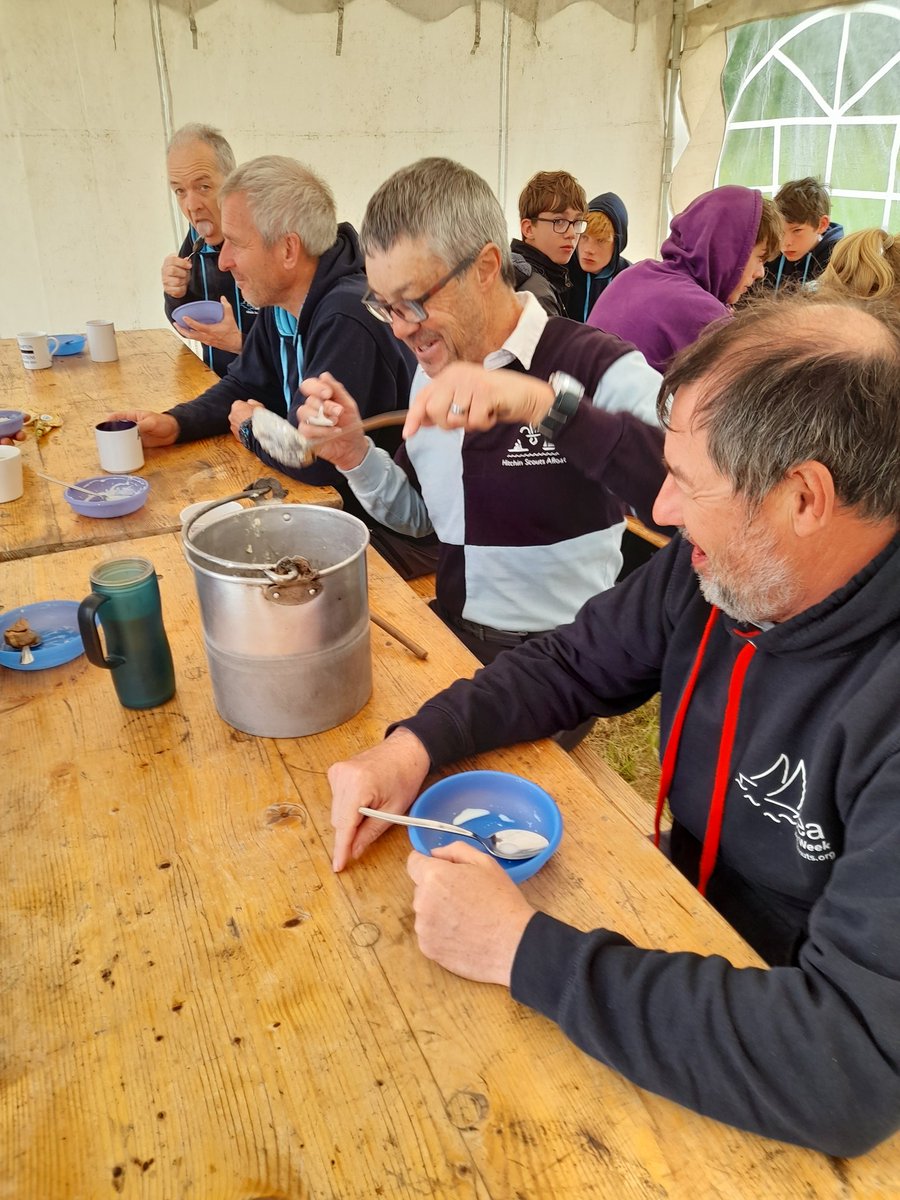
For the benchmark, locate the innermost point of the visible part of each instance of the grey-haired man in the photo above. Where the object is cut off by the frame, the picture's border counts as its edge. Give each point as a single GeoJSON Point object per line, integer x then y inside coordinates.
{"type": "Point", "coordinates": [527, 532]}
{"type": "Point", "coordinates": [770, 630]}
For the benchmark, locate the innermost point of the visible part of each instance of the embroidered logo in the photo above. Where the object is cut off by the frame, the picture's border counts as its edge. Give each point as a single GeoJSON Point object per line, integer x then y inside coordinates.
{"type": "Point", "coordinates": [779, 793]}
{"type": "Point", "coordinates": [531, 449]}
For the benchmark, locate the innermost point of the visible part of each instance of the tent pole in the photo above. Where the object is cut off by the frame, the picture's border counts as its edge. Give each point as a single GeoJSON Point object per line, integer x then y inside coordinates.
{"type": "Point", "coordinates": [671, 109]}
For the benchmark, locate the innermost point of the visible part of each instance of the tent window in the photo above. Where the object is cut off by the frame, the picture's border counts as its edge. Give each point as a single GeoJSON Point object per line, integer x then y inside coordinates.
{"type": "Point", "coordinates": [818, 94]}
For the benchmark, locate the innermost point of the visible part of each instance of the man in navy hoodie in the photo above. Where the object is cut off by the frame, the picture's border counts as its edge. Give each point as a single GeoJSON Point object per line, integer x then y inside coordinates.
{"type": "Point", "coordinates": [770, 628]}
{"type": "Point", "coordinates": [290, 257]}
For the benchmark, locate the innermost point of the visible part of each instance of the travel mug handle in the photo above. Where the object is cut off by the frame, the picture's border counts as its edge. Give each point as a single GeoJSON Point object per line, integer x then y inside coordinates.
{"type": "Point", "coordinates": [87, 626]}
{"type": "Point", "coordinates": [53, 349]}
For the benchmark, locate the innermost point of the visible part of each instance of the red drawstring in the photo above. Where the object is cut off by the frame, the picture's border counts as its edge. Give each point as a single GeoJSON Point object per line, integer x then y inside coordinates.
{"type": "Point", "coordinates": [671, 752]}
{"type": "Point", "coordinates": [723, 761]}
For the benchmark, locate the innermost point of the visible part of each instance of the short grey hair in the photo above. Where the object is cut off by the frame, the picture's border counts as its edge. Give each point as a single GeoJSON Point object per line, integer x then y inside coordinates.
{"type": "Point", "coordinates": [443, 203]}
{"type": "Point", "coordinates": [286, 197]}
{"type": "Point", "coordinates": [195, 132]}
{"type": "Point", "coordinates": [793, 379]}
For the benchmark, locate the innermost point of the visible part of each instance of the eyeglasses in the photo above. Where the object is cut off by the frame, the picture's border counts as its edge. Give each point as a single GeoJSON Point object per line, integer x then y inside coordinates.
{"type": "Point", "coordinates": [413, 311]}
{"type": "Point", "coordinates": [561, 225]}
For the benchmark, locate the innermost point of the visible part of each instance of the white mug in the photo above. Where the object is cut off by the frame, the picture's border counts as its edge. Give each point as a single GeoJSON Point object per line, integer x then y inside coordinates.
{"type": "Point", "coordinates": [101, 336]}
{"type": "Point", "coordinates": [119, 446]}
{"type": "Point", "coordinates": [36, 350]}
{"type": "Point", "coordinates": [11, 486]}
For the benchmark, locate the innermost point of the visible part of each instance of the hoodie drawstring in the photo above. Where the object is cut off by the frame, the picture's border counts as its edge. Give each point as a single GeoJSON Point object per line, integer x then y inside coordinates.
{"type": "Point", "coordinates": [723, 761]}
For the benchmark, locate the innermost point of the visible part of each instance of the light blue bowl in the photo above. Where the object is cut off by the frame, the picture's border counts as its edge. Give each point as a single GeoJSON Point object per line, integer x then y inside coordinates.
{"type": "Point", "coordinates": [207, 312]}
{"type": "Point", "coordinates": [11, 421]}
{"type": "Point", "coordinates": [69, 343]}
{"type": "Point", "coordinates": [129, 493]}
{"type": "Point", "coordinates": [511, 803]}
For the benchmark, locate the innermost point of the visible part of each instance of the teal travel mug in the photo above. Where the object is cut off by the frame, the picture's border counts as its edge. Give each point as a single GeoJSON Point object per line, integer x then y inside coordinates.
{"type": "Point", "coordinates": [125, 600]}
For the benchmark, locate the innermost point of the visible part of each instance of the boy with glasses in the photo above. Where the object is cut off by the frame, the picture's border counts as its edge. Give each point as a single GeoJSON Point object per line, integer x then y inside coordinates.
{"type": "Point", "coordinates": [552, 210]}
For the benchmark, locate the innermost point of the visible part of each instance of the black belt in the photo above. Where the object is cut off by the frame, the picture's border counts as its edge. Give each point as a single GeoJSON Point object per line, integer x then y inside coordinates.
{"type": "Point", "coordinates": [484, 633]}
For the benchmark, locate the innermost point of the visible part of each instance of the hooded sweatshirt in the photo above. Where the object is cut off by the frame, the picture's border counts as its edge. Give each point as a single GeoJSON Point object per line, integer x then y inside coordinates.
{"type": "Point", "coordinates": [207, 282]}
{"type": "Point", "coordinates": [663, 306]}
{"type": "Point", "coordinates": [586, 287]}
{"type": "Point", "coordinates": [335, 333]}
{"type": "Point", "coordinates": [806, 866]}
{"type": "Point", "coordinates": [780, 271]}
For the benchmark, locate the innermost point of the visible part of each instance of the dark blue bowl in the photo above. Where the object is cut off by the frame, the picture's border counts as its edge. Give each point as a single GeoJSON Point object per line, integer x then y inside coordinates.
{"type": "Point", "coordinates": [510, 801]}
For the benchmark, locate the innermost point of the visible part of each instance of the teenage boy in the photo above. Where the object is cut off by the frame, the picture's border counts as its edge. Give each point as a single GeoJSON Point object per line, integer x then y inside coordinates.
{"type": "Point", "coordinates": [551, 211]}
{"type": "Point", "coordinates": [598, 257]}
{"type": "Point", "coordinates": [809, 233]}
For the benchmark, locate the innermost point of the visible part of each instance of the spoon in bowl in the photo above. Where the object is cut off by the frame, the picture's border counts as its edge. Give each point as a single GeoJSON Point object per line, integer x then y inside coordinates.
{"type": "Point", "coordinates": [506, 843]}
{"type": "Point", "coordinates": [78, 488]}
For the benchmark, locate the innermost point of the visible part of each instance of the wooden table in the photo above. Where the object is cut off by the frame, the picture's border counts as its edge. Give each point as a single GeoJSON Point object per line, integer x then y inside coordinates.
{"type": "Point", "coordinates": [155, 371]}
{"type": "Point", "coordinates": [194, 1005]}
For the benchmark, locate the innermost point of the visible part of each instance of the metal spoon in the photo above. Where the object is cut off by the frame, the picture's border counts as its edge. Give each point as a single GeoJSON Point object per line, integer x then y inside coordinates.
{"type": "Point", "coordinates": [283, 442]}
{"type": "Point", "coordinates": [78, 488]}
{"type": "Point", "coordinates": [197, 244]}
{"type": "Point", "coordinates": [507, 843]}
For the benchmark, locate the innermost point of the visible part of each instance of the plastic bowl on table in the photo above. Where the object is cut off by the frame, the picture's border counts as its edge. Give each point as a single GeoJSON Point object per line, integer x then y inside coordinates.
{"type": "Point", "coordinates": [57, 623]}
{"type": "Point", "coordinates": [11, 421]}
{"type": "Point", "coordinates": [129, 493]}
{"type": "Point", "coordinates": [69, 343]}
{"type": "Point", "coordinates": [511, 803]}
{"type": "Point", "coordinates": [207, 312]}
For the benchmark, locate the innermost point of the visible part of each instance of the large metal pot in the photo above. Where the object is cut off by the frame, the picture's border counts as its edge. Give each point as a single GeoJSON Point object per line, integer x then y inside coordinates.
{"type": "Point", "coordinates": [284, 606]}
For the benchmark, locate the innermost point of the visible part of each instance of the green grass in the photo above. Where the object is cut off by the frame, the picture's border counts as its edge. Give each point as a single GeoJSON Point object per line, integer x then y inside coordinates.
{"type": "Point", "coordinates": [630, 745]}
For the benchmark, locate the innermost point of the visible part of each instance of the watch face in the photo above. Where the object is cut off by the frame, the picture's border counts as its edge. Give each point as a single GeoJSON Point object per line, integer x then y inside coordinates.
{"type": "Point", "coordinates": [246, 432]}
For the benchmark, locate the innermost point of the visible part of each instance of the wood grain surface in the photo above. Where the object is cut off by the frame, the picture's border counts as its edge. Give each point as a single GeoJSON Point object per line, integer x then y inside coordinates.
{"type": "Point", "coordinates": [155, 371]}
{"type": "Point", "coordinates": [193, 1005]}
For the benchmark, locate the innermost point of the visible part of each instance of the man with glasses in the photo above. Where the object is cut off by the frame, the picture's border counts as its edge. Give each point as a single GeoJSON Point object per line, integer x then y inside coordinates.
{"type": "Point", "coordinates": [527, 533]}
{"type": "Point", "coordinates": [552, 210]}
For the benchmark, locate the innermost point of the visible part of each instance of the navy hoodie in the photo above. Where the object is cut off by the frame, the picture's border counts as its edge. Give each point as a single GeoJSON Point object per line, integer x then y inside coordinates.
{"type": "Point", "coordinates": [585, 289]}
{"type": "Point", "coordinates": [207, 282]}
{"type": "Point", "coordinates": [780, 271]}
{"type": "Point", "coordinates": [809, 1050]}
{"type": "Point", "coordinates": [336, 333]}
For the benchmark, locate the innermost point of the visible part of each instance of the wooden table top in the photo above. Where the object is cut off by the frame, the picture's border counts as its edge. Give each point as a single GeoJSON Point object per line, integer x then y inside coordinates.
{"type": "Point", "coordinates": [194, 1005]}
{"type": "Point", "coordinates": [155, 371]}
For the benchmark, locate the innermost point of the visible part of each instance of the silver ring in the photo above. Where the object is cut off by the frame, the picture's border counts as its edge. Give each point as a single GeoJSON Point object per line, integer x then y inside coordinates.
{"type": "Point", "coordinates": [457, 410]}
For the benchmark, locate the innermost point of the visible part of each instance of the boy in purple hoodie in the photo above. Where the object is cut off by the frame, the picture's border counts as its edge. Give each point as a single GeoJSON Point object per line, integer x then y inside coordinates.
{"type": "Point", "coordinates": [717, 248]}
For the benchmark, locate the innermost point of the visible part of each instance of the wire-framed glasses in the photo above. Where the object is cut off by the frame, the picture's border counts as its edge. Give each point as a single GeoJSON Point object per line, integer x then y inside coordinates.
{"type": "Point", "coordinates": [413, 311]}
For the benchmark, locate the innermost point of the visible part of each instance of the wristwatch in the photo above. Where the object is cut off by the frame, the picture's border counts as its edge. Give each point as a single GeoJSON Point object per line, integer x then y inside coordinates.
{"type": "Point", "coordinates": [245, 433]}
{"type": "Point", "coordinates": [568, 393]}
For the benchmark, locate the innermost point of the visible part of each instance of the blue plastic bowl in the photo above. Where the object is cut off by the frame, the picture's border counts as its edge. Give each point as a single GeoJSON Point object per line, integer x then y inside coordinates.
{"type": "Point", "coordinates": [129, 494]}
{"type": "Point", "coordinates": [207, 312]}
{"type": "Point", "coordinates": [69, 343]}
{"type": "Point", "coordinates": [511, 803]}
{"type": "Point", "coordinates": [11, 421]}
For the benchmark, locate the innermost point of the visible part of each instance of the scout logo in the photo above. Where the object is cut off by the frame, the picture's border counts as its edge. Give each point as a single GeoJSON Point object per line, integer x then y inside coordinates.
{"type": "Point", "coordinates": [779, 793]}
{"type": "Point", "coordinates": [531, 449]}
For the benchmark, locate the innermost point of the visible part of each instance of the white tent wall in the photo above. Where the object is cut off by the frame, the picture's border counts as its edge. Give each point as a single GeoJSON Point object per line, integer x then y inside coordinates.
{"type": "Point", "coordinates": [702, 63]}
{"type": "Point", "coordinates": [88, 89]}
